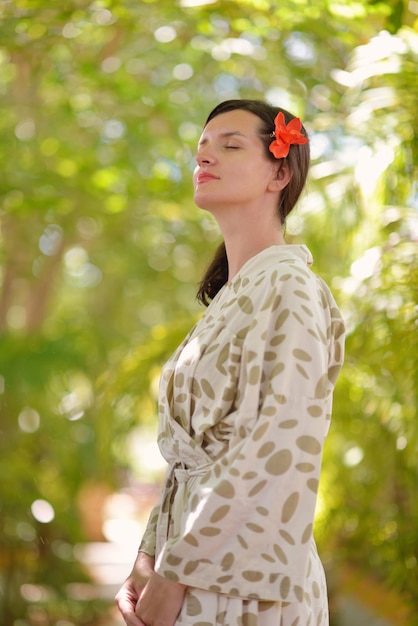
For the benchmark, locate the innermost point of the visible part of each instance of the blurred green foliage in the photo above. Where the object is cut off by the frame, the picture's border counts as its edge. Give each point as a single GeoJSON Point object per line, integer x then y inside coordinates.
{"type": "Point", "coordinates": [101, 249]}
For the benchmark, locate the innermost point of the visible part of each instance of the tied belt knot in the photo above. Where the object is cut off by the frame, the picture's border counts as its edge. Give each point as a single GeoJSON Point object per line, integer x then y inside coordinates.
{"type": "Point", "coordinates": [183, 474]}
{"type": "Point", "coordinates": [176, 499]}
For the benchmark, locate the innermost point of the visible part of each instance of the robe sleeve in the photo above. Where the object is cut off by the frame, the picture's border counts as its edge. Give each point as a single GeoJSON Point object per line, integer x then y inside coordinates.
{"type": "Point", "coordinates": [148, 541]}
{"type": "Point", "coordinates": [149, 538]}
{"type": "Point", "coordinates": [244, 527]}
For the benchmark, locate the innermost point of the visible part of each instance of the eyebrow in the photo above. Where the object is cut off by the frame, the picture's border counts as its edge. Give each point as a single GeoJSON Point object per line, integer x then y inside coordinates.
{"type": "Point", "coordinates": [225, 135]}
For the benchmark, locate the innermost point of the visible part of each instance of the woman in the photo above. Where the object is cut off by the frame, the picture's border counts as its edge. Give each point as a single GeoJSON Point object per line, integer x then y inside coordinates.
{"type": "Point", "coordinates": [245, 401]}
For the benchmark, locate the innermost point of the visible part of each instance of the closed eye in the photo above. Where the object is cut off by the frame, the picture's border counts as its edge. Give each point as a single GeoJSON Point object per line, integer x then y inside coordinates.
{"type": "Point", "coordinates": [232, 147]}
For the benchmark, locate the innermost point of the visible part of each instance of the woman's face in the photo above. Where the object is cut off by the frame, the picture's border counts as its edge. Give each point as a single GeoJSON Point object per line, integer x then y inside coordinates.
{"type": "Point", "coordinates": [232, 167]}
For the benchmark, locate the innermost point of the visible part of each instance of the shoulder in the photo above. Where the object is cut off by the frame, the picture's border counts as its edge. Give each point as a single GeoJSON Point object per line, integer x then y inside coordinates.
{"type": "Point", "coordinates": [273, 266]}
{"type": "Point", "coordinates": [279, 277]}
{"type": "Point", "coordinates": [289, 278]}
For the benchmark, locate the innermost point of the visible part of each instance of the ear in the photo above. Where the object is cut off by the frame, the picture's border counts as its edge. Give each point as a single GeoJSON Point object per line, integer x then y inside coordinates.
{"type": "Point", "coordinates": [281, 176]}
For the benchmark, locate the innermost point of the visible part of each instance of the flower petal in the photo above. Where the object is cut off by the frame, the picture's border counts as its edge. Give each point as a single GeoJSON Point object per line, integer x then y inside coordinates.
{"type": "Point", "coordinates": [294, 124]}
{"type": "Point", "coordinates": [279, 119]}
{"type": "Point", "coordinates": [280, 149]}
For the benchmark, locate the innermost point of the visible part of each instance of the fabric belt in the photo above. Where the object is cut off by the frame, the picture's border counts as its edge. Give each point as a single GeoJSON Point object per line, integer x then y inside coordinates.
{"type": "Point", "coordinates": [175, 500]}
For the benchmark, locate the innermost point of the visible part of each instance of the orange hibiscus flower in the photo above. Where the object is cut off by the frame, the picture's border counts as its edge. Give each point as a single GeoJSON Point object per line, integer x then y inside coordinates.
{"type": "Point", "coordinates": [286, 135]}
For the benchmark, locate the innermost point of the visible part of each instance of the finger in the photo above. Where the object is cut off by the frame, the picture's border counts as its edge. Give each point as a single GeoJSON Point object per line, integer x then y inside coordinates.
{"type": "Point", "coordinates": [131, 619]}
{"type": "Point", "coordinates": [126, 606]}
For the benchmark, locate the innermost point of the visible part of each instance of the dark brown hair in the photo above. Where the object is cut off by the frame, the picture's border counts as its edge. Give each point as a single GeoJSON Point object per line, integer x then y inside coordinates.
{"type": "Point", "coordinates": [298, 159]}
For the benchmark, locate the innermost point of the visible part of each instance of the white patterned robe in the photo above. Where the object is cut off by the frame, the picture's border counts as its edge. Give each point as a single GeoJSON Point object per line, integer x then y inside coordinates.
{"type": "Point", "coordinates": [245, 405]}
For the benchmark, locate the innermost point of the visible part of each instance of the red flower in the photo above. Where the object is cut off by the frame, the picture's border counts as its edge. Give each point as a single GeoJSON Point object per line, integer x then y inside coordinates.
{"type": "Point", "coordinates": [286, 136]}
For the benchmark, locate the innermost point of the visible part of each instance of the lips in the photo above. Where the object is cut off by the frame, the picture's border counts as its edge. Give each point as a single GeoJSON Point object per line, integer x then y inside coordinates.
{"type": "Point", "coordinates": [205, 177]}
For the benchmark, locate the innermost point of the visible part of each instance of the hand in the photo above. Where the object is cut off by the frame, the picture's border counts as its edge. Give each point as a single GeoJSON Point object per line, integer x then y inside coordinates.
{"type": "Point", "coordinates": [131, 590]}
{"type": "Point", "coordinates": [160, 602]}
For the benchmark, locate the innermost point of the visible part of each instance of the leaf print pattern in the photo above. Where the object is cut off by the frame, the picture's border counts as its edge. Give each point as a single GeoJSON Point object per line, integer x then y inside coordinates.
{"type": "Point", "coordinates": [245, 404]}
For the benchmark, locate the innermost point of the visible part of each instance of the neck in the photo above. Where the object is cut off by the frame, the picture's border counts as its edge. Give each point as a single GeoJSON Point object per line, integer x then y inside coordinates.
{"type": "Point", "coordinates": [247, 239]}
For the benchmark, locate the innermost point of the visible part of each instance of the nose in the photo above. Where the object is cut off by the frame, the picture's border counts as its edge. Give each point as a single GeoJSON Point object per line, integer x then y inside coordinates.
{"type": "Point", "coordinates": [204, 157]}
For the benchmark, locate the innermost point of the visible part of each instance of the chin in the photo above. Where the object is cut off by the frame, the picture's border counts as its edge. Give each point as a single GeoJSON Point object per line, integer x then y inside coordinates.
{"type": "Point", "coordinates": [200, 202]}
